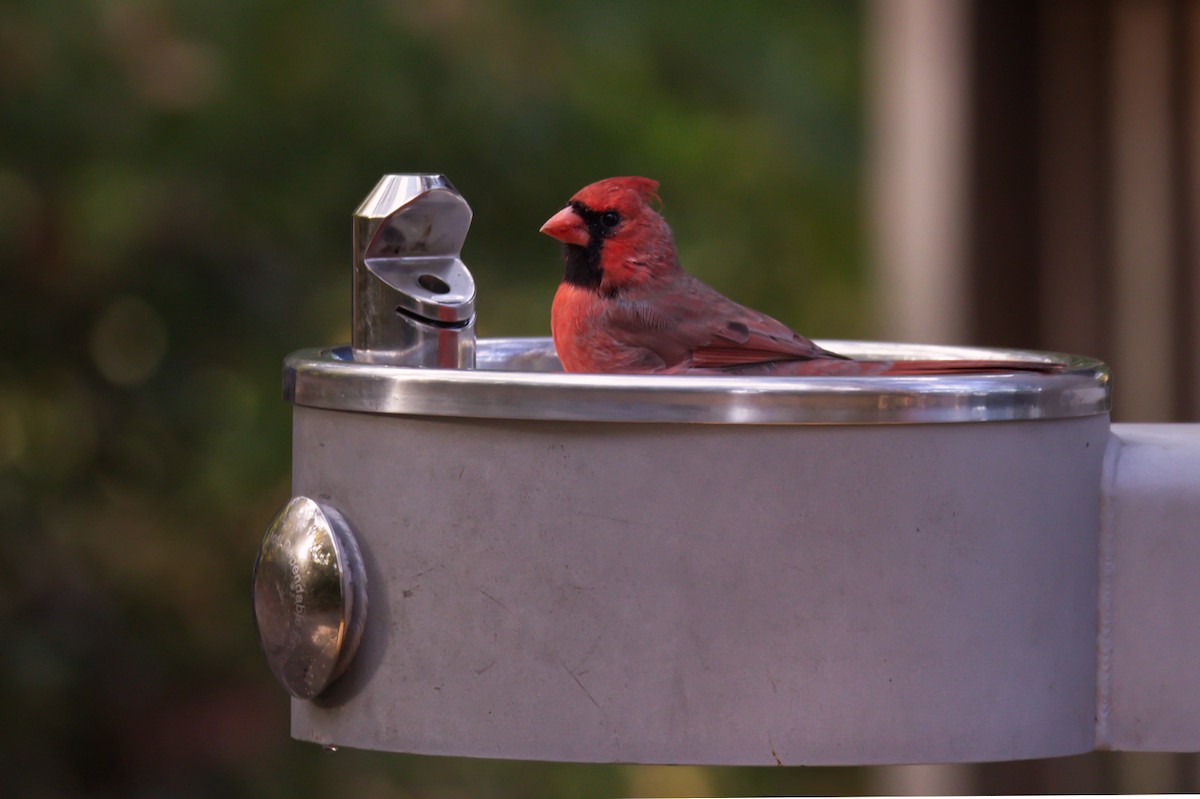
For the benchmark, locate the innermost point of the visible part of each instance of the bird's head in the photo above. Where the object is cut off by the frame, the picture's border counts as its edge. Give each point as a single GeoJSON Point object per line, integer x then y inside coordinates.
{"type": "Point", "coordinates": [612, 236]}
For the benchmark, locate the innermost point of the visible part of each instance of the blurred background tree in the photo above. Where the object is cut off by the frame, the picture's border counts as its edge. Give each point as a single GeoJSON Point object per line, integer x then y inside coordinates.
{"type": "Point", "coordinates": [176, 184]}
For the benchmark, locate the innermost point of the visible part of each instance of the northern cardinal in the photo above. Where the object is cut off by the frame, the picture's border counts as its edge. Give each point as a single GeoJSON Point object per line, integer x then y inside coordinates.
{"type": "Point", "coordinates": [626, 306]}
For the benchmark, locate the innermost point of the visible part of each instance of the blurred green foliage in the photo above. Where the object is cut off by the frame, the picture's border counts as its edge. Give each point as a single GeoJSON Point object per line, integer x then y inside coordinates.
{"type": "Point", "coordinates": [176, 184]}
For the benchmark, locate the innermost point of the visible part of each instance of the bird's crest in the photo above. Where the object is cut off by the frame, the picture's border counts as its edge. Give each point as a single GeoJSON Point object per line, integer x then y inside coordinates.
{"type": "Point", "coordinates": [603, 192]}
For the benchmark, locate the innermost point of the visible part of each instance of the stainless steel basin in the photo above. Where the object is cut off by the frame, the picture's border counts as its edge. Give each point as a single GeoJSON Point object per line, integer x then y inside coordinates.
{"type": "Point", "coordinates": [705, 569]}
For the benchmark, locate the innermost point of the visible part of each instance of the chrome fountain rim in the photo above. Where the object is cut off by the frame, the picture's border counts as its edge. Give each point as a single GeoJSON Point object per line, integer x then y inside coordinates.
{"type": "Point", "coordinates": [520, 378]}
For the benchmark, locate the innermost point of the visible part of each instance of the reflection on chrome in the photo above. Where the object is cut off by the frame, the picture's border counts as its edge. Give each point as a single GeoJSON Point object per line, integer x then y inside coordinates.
{"type": "Point", "coordinates": [520, 378]}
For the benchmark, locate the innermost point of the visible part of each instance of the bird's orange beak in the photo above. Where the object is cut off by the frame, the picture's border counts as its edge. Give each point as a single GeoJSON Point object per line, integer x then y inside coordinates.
{"type": "Point", "coordinates": [567, 226]}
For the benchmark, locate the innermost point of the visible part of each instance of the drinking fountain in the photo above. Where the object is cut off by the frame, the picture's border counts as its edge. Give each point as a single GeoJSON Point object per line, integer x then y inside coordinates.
{"type": "Point", "coordinates": [484, 556]}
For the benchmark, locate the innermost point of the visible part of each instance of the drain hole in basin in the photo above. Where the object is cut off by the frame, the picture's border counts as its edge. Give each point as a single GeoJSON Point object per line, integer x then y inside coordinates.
{"type": "Point", "coordinates": [433, 284]}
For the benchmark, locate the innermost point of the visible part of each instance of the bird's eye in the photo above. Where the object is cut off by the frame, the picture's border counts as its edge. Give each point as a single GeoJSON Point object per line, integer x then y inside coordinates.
{"type": "Point", "coordinates": [610, 219]}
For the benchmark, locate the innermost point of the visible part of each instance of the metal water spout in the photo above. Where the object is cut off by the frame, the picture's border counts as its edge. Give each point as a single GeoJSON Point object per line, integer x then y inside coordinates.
{"type": "Point", "coordinates": [414, 300]}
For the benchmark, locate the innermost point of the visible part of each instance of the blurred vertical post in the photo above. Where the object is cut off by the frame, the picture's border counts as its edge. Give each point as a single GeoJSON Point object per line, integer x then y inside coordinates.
{"type": "Point", "coordinates": [917, 114]}
{"type": "Point", "coordinates": [1072, 177]}
{"type": "Point", "coordinates": [1142, 218]}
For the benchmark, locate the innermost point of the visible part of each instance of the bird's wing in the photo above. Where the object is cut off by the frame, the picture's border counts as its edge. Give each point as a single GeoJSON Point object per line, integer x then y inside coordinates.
{"type": "Point", "coordinates": [689, 324]}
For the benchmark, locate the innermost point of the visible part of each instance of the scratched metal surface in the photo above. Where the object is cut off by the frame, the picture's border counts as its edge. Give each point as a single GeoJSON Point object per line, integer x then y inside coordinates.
{"type": "Point", "coordinates": [731, 594]}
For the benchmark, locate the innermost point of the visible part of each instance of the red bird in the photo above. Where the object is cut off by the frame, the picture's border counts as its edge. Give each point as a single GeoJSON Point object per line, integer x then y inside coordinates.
{"type": "Point", "coordinates": [625, 305]}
